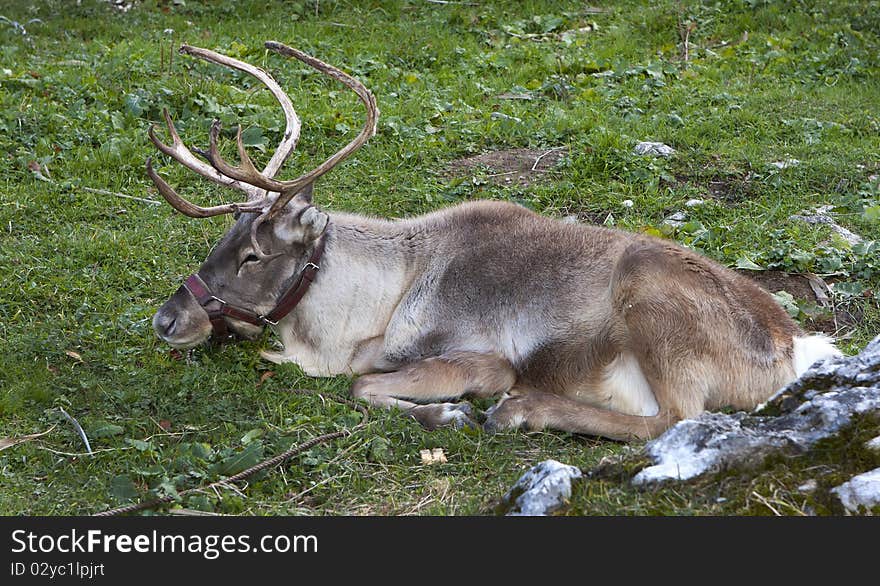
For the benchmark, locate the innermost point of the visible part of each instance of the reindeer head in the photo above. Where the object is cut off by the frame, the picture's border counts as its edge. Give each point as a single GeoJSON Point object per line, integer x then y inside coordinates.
{"type": "Point", "coordinates": [262, 266]}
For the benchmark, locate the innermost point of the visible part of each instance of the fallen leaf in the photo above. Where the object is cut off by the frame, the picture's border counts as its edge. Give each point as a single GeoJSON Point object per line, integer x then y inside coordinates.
{"type": "Point", "coordinates": [8, 442]}
{"type": "Point", "coordinates": [265, 376]}
{"type": "Point", "coordinates": [165, 424]}
{"type": "Point", "coordinates": [74, 355]}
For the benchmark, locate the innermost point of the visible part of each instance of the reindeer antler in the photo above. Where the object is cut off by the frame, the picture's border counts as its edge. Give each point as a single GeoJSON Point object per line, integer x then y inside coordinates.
{"type": "Point", "coordinates": [246, 178]}
{"type": "Point", "coordinates": [288, 189]}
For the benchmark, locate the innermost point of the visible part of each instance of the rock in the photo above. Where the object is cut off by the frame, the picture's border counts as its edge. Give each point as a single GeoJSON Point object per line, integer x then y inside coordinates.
{"type": "Point", "coordinates": [654, 149]}
{"type": "Point", "coordinates": [862, 491]}
{"type": "Point", "coordinates": [543, 489]}
{"type": "Point", "coordinates": [809, 486]}
{"type": "Point", "coordinates": [822, 216]}
{"type": "Point", "coordinates": [692, 203]}
{"type": "Point", "coordinates": [627, 203]}
{"type": "Point", "coordinates": [817, 405]}
{"type": "Point", "coordinates": [676, 220]}
{"type": "Point", "coordinates": [873, 445]}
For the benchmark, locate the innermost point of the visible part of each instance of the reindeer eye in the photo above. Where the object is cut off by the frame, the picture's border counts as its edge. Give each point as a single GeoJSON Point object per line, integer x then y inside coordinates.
{"type": "Point", "coordinates": [248, 259]}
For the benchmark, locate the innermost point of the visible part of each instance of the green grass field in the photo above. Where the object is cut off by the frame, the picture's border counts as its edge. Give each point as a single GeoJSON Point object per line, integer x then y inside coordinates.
{"type": "Point", "coordinates": [85, 268]}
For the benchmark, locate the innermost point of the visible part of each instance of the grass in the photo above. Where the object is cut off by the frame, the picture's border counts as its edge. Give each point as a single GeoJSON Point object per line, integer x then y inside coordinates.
{"type": "Point", "coordinates": [85, 270]}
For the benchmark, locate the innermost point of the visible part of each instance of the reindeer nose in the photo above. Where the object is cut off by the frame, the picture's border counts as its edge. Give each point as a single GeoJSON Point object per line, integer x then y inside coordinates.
{"type": "Point", "coordinates": [164, 324]}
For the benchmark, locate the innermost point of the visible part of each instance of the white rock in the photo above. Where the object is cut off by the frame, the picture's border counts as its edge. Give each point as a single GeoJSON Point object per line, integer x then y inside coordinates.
{"type": "Point", "coordinates": [822, 217]}
{"type": "Point", "coordinates": [627, 203]}
{"type": "Point", "coordinates": [691, 203]}
{"type": "Point", "coordinates": [809, 486]}
{"type": "Point", "coordinates": [542, 490]}
{"type": "Point", "coordinates": [874, 444]}
{"type": "Point", "coordinates": [676, 220]}
{"type": "Point", "coordinates": [861, 491]}
{"type": "Point", "coordinates": [818, 405]}
{"type": "Point", "coordinates": [786, 163]}
{"type": "Point", "coordinates": [656, 149]}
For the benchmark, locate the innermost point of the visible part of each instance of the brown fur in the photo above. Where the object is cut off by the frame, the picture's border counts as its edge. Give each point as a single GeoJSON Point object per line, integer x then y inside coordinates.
{"type": "Point", "coordinates": [487, 298]}
{"type": "Point", "coordinates": [579, 328]}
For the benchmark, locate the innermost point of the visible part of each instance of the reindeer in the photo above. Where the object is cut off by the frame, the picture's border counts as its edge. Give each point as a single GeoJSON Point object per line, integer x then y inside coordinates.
{"type": "Point", "coordinates": [573, 327]}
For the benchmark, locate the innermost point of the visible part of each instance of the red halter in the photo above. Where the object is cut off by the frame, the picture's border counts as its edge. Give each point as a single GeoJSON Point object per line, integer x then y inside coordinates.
{"type": "Point", "coordinates": [221, 309]}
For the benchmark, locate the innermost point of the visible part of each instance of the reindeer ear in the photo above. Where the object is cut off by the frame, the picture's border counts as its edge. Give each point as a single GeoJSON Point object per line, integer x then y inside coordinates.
{"type": "Point", "coordinates": [313, 222]}
{"type": "Point", "coordinates": [300, 222]}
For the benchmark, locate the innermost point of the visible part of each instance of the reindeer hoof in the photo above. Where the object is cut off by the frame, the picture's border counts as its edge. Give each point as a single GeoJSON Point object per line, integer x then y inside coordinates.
{"type": "Point", "coordinates": [456, 415]}
{"type": "Point", "coordinates": [508, 413]}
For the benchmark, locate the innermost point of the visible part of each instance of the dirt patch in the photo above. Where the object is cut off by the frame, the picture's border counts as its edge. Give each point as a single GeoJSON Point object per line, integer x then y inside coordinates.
{"type": "Point", "coordinates": [724, 188]}
{"type": "Point", "coordinates": [730, 189]}
{"type": "Point", "coordinates": [775, 281]}
{"type": "Point", "coordinates": [724, 181]}
{"type": "Point", "coordinates": [831, 321]}
{"type": "Point", "coordinates": [520, 167]}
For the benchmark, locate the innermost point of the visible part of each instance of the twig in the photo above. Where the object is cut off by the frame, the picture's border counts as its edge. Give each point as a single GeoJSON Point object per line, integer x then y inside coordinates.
{"type": "Point", "coordinates": [8, 442]}
{"type": "Point", "coordinates": [766, 503]}
{"type": "Point", "coordinates": [122, 195]}
{"type": "Point", "coordinates": [193, 513]}
{"type": "Point", "coordinates": [229, 482]}
{"type": "Point", "coordinates": [684, 32]}
{"type": "Point", "coordinates": [538, 160]}
{"type": "Point", "coordinates": [19, 27]}
{"type": "Point", "coordinates": [509, 96]}
{"type": "Point", "coordinates": [450, 2]}
{"type": "Point", "coordinates": [79, 429]}
{"type": "Point", "coordinates": [687, 35]}
{"type": "Point", "coordinates": [233, 488]}
{"type": "Point", "coordinates": [81, 454]}
{"type": "Point", "coordinates": [299, 495]}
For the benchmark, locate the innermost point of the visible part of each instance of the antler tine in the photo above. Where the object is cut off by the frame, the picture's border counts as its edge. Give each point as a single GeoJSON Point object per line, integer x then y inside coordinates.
{"type": "Point", "coordinates": [288, 189]}
{"type": "Point", "coordinates": [245, 171]}
{"type": "Point", "coordinates": [291, 188]}
{"type": "Point", "coordinates": [180, 153]}
{"type": "Point", "coordinates": [193, 211]}
{"type": "Point", "coordinates": [292, 129]}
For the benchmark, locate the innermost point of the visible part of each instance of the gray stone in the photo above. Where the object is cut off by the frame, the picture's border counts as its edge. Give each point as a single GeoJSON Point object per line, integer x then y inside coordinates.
{"type": "Point", "coordinates": [861, 492]}
{"type": "Point", "coordinates": [809, 486]}
{"type": "Point", "coordinates": [543, 489]}
{"type": "Point", "coordinates": [676, 220]}
{"type": "Point", "coordinates": [823, 216]}
{"type": "Point", "coordinates": [654, 149]}
{"type": "Point", "coordinates": [817, 405]}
